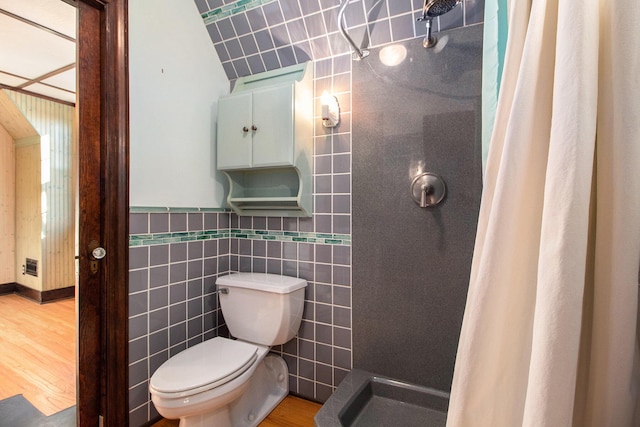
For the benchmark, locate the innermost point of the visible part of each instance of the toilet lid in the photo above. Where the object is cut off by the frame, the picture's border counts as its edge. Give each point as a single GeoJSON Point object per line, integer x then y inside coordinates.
{"type": "Point", "coordinates": [204, 366]}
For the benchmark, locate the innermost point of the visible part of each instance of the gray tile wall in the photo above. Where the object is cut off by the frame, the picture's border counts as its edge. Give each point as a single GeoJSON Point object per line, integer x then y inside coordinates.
{"type": "Point", "coordinates": [255, 38]}
{"type": "Point", "coordinates": [172, 304]}
{"type": "Point", "coordinates": [320, 356]}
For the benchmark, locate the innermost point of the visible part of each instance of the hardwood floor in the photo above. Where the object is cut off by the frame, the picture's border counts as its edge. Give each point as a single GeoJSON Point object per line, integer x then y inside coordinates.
{"type": "Point", "coordinates": [38, 352]}
{"type": "Point", "coordinates": [291, 412]}
{"type": "Point", "coordinates": [38, 360]}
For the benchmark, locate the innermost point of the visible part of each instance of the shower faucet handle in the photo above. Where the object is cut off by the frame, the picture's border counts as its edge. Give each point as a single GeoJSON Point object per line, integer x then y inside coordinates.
{"type": "Point", "coordinates": [428, 190]}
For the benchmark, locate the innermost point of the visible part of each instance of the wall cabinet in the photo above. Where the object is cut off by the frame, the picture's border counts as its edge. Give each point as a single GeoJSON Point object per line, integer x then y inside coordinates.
{"type": "Point", "coordinates": [265, 140]}
{"type": "Point", "coordinates": [256, 129]}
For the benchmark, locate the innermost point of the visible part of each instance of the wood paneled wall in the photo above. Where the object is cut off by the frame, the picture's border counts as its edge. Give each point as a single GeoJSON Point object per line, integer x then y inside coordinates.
{"type": "Point", "coordinates": [28, 211]}
{"type": "Point", "coordinates": [7, 208]}
{"type": "Point", "coordinates": [54, 122]}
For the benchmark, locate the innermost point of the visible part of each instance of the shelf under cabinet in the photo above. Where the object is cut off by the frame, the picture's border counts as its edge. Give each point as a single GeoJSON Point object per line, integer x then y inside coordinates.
{"type": "Point", "coordinates": [265, 143]}
{"type": "Point", "coordinates": [268, 192]}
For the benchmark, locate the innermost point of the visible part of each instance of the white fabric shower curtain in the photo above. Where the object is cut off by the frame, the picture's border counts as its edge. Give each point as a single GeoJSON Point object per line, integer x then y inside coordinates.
{"type": "Point", "coordinates": [549, 331]}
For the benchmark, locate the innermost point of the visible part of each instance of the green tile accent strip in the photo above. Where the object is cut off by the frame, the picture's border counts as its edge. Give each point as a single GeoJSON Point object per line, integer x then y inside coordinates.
{"type": "Point", "coordinates": [231, 9]}
{"type": "Point", "coordinates": [236, 233]}
{"type": "Point", "coordinates": [156, 209]}
{"type": "Point", "coordinates": [144, 209]}
{"type": "Point", "coordinates": [287, 236]}
{"type": "Point", "coordinates": [292, 236]}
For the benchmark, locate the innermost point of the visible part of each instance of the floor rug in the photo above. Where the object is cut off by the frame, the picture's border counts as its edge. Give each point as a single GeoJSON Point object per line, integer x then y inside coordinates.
{"type": "Point", "coordinates": [17, 411]}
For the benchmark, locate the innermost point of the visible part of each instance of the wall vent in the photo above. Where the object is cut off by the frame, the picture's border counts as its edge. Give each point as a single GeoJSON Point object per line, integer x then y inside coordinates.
{"type": "Point", "coordinates": [32, 267]}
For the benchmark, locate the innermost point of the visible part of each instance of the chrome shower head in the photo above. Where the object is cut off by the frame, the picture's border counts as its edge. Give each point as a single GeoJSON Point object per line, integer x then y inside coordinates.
{"type": "Point", "coordinates": [433, 9]}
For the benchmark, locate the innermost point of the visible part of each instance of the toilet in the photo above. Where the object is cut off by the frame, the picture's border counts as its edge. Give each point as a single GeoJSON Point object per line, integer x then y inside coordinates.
{"type": "Point", "coordinates": [224, 382]}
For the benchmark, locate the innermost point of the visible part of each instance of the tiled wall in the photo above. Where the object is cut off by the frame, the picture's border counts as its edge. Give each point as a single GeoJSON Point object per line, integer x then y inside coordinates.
{"type": "Point", "coordinates": [174, 259]}
{"type": "Point", "coordinates": [320, 356]}
{"type": "Point", "coordinates": [170, 311]}
{"type": "Point", "coordinates": [252, 36]}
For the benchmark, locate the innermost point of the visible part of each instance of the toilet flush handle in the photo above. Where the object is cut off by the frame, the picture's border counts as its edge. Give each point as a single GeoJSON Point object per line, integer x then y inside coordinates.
{"type": "Point", "coordinates": [223, 290]}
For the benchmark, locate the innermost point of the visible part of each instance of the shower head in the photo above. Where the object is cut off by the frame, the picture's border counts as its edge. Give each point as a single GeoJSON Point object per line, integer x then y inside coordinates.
{"type": "Point", "coordinates": [433, 9]}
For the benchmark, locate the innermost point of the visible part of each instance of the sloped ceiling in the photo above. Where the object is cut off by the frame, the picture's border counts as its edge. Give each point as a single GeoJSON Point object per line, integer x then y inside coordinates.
{"type": "Point", "coordinates": [38, 48]}
{"type": "Point", "coordinates": [13, 121]}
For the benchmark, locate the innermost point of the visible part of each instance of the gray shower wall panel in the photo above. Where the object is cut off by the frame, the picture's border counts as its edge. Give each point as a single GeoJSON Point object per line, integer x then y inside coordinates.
{"type": "Point", "coordinates": [411, 265]}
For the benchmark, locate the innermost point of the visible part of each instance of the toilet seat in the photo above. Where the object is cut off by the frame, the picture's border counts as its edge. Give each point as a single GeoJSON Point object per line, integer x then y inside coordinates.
{"type": "Point", "coordinates": [202, 367]}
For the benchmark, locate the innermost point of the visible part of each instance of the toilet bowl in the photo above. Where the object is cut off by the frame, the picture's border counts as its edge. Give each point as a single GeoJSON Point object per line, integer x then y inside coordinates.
{"type": "Point", "coordinates": [225, 382]}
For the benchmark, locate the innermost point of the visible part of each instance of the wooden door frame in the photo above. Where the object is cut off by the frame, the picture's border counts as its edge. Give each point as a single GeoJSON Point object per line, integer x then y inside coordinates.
{"type": "Point", "coordinates": [103, 153]}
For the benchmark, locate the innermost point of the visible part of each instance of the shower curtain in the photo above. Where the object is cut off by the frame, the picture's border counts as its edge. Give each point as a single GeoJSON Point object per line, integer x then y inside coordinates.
{"type": "Point", "coordinates": [549, 335]}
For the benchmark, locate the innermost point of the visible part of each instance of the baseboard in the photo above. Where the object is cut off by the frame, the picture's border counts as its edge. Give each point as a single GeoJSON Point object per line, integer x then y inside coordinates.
{"type": "Point", "coordinates": [41, 297]}
{"type": "Point", "coordinates": [28, 293]}
{"type": "Point", "coordinates": [7, 288]}
{"type": "Point", "coordinates": [58, 294]}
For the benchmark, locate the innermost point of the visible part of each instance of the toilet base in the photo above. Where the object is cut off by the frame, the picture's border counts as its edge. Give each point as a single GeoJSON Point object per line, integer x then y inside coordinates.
{"type": "Point", "coordinates": [218, 418]}
{"type": "Point", "coordinates": [267, 387]}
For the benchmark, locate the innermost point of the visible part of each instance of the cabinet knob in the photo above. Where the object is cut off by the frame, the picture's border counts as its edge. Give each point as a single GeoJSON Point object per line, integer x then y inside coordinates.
{"type": "Point", "coordinates": [245, 129]}
{"type": "Point", "coordinates": [254, 128]}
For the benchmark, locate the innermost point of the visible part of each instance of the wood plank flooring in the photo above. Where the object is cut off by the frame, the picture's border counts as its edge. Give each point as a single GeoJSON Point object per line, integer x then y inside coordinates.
{"type": "Point", "coordinates": [291, 412]}
{"type": "Point", "coordinates": [38, 352]}
{"type": "Point", "coordinates": [38, 360]}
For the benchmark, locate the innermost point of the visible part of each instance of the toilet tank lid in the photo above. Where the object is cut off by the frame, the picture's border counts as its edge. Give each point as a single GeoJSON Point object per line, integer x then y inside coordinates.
{"type": "Point", "coordinates": [266, 282]}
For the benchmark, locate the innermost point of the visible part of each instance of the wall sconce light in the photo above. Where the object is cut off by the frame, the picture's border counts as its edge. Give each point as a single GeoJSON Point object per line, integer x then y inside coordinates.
{"type": "Point", "coordinates": [330, 110]}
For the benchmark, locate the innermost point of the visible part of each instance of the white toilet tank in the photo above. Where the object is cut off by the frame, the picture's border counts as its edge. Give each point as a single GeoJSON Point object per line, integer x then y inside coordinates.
{"type": "Point", "coordinates": [262, 308]}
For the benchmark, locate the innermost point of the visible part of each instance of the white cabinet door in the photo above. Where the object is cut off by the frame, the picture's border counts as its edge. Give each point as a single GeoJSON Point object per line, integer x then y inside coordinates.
{"type": "Point", "coordinates": [273, 138]}
{"type": "Point", "coordinates": [234, 131]}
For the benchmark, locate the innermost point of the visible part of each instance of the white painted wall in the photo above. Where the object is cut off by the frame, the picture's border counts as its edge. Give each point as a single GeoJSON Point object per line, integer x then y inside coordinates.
{"type": "Point", "coordinates": [176, 79]}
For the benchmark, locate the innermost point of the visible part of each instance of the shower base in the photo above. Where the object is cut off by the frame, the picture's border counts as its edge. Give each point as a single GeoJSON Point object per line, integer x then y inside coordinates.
{"type": "Point", "coordinates": [366, 399]}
